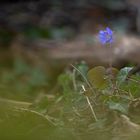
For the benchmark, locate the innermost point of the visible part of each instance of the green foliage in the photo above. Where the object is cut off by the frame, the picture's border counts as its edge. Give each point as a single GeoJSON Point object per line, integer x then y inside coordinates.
{"type": "Point", "coordinates": [67, 111]}
{"type": "Point", "coordinates": [23, 82]}
{"type": "Point", "coordinates": [113, 88]}
{"type": "Point", "coordinates": [36, 32]}
{"type": "Point", "coordinates": [100, 77]}
{"type": "Point", "coordinates": [83, 68]}
{"type": "Point", "coordinates": [65, 82]}
{"type": "Point", "coordinates": [33, 33]}
{"type": "Point", "coordinates": [20, 123]}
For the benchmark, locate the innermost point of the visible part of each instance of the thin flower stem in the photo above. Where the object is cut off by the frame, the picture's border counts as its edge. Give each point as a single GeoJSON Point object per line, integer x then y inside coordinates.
{"type": "Point", "coordinates": [110, 66]}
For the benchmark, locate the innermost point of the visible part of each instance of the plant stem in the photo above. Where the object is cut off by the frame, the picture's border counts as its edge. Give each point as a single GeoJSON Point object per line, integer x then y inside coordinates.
{"type": "Point", "coordinates": [73, 79]}
{"type": "Point", "coordinates": [92, 110]}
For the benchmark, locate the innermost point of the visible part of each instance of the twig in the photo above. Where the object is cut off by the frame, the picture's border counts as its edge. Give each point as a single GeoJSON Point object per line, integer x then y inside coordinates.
{"type": "Point", "coordinates": [92, 110]}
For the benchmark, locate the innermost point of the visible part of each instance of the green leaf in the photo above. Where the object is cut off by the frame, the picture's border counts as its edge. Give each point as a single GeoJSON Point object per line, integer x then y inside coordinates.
{"type": "Point", "coordinates": [122, 75]}
{"type": "Point", "coordinates": [121, 107]}
{"type": "Point", "coordinates": [82, 67]}
{"type": "Point", "coordinates": [97, 77]}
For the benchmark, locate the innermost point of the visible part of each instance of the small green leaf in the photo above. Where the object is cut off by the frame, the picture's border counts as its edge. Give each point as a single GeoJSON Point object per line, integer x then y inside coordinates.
{"type": "Point", "coordinates": [121, 107]}
{"type": "Point", "coordinates": [122, 75]}
{"type": "Point", "coordinates": [82, 67]}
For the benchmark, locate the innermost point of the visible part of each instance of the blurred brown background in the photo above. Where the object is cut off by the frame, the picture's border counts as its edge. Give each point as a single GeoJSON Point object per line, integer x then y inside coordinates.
{"type": "Point", "coordinates": [54, 33]}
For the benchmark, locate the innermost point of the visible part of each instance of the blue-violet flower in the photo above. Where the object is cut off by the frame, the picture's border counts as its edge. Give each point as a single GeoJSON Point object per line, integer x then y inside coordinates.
{"type": "Point", "coordinates": [106, 36]}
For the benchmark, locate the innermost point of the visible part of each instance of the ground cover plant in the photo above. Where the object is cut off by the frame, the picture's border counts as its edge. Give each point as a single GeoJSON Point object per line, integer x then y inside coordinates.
{"type": "Point", "coordinates": [99, 103]}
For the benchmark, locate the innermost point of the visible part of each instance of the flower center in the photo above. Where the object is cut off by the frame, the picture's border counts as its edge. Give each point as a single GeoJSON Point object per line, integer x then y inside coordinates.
{"type": "Point", "coordinates": [108, 37]}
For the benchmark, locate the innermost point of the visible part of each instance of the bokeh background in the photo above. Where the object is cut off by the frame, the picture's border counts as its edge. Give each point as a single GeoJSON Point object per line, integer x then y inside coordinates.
{"type": "Point", "coordinates": [40, 39]}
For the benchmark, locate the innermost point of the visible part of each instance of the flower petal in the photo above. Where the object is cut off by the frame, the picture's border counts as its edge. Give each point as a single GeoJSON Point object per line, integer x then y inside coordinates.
{"type": "Point", "coordinates": [109, 31]}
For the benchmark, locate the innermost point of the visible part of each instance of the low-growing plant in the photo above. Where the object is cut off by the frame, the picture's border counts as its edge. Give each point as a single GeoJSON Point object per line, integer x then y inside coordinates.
{"type": "Point", "coordinates": [85, 103]}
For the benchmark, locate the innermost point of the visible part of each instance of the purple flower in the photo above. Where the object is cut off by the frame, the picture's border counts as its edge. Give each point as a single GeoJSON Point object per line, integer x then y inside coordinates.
{"type": "Point", "coordinates": [106, 36]}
